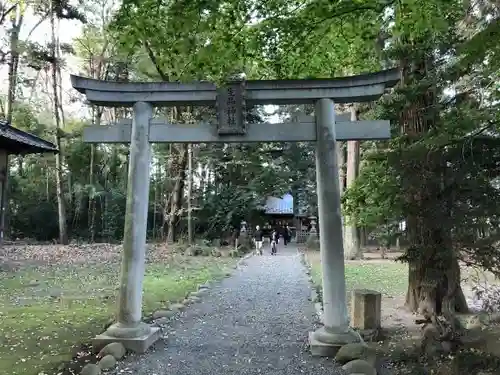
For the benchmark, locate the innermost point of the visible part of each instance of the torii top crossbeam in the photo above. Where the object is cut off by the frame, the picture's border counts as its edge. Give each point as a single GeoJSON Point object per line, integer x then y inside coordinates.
{"type": "Point", "coordinates": [359, 88]}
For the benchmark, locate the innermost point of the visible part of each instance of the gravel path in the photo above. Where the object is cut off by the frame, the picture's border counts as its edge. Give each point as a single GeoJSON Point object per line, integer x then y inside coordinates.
{"type": "Point", "coordinates": [254, 322]}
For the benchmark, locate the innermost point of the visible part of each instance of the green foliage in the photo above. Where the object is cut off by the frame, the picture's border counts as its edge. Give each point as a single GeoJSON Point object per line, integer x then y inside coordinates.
{"type": "Point", "coordinates": [374, 198]}
{"type": "Point", "coordinates": [438, 171]}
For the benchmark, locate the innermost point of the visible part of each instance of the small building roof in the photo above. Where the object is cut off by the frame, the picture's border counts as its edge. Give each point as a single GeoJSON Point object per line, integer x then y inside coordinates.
{"type": "Point", "coordinates": [285, 205]}
{"type": "Point", "coordinates": [16, 141]}
{"type": "Point", "coordinates": [281, 206]}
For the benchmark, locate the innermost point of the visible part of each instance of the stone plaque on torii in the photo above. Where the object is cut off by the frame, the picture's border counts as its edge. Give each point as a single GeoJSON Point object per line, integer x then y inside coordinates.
{"type": "Point", "coordinates": [231, 102]}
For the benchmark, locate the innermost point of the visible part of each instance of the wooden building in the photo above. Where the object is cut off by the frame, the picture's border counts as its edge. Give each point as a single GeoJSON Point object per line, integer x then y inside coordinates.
{"type": "Point", "coordinates": [280, 212]}
{"type": "Point", "coordinates": [16, 142]}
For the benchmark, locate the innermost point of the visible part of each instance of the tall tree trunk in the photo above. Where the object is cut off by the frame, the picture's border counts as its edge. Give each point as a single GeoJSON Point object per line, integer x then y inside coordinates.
{"type": "Point", "coordinates": [203, 184]}
{"type": "Point", "coordinates": [157, 197]}
{"type": "Point", "coordinates": [16, 19]}
{"type": "Point", "coordinates": [169, 167]}
{"type": "Point", "coordinates": [434, 272]}
{"type": "Point", "coordinates": [177, 194]}
{"type": "Point", "coordinates": [189, 194]}
{"type": "Point", "coordinates": [341, 157]}
{"type": "Point", "coordinates": [352, 247]}
{"type": "Point", "coordinates": [91, 209]}
{"type": "Point", "coordinates": [63, 233]}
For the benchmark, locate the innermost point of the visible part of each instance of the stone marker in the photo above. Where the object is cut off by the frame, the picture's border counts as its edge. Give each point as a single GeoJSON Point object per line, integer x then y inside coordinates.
{"type": "Point", "coordinates": [366, 309]}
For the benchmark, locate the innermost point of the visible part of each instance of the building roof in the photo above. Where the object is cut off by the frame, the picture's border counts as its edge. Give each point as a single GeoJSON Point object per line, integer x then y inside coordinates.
{"type": "Point", "coordinates": [285, 205]}
{"type": "Point", "coordinates": [16, 141]}
{"type": "Point", "coordinates": [281, 206]}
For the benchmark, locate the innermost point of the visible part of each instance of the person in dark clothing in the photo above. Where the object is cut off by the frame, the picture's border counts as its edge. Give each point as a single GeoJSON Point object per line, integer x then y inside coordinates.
{"type": "Point", "coordinates": [274, 242]}
{"type": "Point", "coordinates": [287, 235]}
{"type": "Point", "coordinates": [258, 238]}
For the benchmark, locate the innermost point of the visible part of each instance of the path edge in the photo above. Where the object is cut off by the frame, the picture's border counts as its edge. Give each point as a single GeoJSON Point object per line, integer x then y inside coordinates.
{"type": "Point", "coordinates": [241, 260]}
{"type": "Point", "coordinates": [318, 306]}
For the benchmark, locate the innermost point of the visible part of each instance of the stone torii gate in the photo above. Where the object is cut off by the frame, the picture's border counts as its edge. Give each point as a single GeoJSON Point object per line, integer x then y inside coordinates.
{"type": "Point", "coordinates": [231, 102]}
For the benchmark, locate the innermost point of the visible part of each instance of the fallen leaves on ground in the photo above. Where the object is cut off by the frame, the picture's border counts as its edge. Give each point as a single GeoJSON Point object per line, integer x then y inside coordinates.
{"type": "Point", "coordinates": [58, 297]}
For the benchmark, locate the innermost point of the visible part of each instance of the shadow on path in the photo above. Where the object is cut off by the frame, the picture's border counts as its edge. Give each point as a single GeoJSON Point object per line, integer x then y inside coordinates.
{"type": "Point", "coordinates": [254, 322]}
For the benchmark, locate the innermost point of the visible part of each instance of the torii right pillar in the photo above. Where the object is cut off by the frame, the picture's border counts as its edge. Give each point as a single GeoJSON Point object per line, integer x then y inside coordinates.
{"type": "Point", "coordinates": [336, 332]}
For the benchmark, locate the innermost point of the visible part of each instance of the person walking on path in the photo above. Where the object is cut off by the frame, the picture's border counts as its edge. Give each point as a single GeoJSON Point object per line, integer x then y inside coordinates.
{"type": "Point", "coordinates": [258, 238]}
{"type": "Point", "coordinates": [287, 235]}
{"type": "Point", "coordinates": [274, 242]}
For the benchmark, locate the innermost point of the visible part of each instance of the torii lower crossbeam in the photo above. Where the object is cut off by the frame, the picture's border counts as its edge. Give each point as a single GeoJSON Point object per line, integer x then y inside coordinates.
{"type": "Point", "coordinates": [161, 131]}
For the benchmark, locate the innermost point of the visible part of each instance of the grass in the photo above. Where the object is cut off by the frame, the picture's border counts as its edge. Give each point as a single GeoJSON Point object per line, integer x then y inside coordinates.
{"type": "Point", "coordinates": [388, 277]}
{"type": "Point", "coordinates": [391, 279]}
{"type": "Point", "coordinates": [43, 325]}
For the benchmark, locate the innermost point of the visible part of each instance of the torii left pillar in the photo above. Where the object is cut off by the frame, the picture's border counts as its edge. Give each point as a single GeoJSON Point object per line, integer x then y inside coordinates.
{"type": "Point", "coordinates": [129, 328]}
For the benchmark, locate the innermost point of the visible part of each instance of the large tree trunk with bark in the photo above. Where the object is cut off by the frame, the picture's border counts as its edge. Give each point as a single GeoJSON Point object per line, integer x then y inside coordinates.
{"type": "Point", "coordinates": [434, 271]}
{"type": "Point", "coordinates": [430, 294]}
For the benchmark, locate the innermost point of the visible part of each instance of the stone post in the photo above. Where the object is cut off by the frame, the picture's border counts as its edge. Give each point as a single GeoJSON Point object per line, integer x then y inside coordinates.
{"type": "Point", "coordinates": [129, 328]}
{"type": "Point", "coordinates": [312, 242]}
{"type": "Point", "coordinates": [336, 331]}
{"type": "Point", "coordinates": [313, 230]}
{"type": "Point", "coordinates": [243, 237]}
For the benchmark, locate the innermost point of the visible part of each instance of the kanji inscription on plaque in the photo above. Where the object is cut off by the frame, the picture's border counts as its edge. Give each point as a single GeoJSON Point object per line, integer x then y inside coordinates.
{"type": "Point", "coordinates": [231, 109]}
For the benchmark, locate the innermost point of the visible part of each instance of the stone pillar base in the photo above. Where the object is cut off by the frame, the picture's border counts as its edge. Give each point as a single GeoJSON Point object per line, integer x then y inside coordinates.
{"type": "Point", "coordinates": [136, 339]}
{"type": "Point", "coordinates": [326, 342]}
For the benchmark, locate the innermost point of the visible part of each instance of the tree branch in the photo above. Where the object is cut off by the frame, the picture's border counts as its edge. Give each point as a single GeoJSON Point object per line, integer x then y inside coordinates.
{"type": "Point", "coordinates": [155, 62]}
{"type": "Point", "coordinates": [43, 18]}
{"type": "Point", "coordinates": [309, 29]}
{"type": "Point", "coordinates": [6, 13]}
